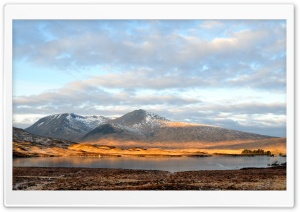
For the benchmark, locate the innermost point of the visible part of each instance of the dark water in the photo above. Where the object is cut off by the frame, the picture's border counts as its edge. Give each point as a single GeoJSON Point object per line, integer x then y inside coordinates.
{"type": "Point", "coordinates": [172, 164]}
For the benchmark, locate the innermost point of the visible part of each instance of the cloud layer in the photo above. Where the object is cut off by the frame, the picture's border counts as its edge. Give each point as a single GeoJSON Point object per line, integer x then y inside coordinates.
{"type": "Point", "coordinates": [124, 65]}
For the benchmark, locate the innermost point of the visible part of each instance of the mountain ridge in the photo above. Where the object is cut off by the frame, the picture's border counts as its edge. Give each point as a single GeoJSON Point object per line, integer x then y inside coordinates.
{"type": "Point", "coordinates": [137, 125]}
{"type": "Point", "coordinates": [150, 127]}
{"type": "Point", "coordinates": [68, 126]}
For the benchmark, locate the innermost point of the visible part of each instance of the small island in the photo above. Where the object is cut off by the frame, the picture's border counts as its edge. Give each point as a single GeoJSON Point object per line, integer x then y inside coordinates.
{"type": "Point", "coordinates": [249, 153]}
{"type": "Point", "coordinates": [257, 152]}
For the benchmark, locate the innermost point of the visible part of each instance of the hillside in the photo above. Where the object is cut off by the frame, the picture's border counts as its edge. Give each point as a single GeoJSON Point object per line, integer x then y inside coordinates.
{"type": "Point", "coordinates": [67, 126]}
{"type": "Point", "coordinates": [28, 145]}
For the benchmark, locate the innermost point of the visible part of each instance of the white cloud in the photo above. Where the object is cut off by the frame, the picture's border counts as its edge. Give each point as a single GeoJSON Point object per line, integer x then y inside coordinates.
{"type": "Point", "coordinates": [25, 120]}
{"type": "Point", "coordinates": [224, 43]}
{"type": "Point", "coordinates": [210, 24]}
{"type": "Point", "coordinates": [163, 66]}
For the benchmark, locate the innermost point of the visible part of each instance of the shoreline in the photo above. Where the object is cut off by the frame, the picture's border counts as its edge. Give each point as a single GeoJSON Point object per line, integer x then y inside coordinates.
{"type": "Point", "coordinates": [75, 178]}
{"type": "Point", "coordinates": [144, 155]}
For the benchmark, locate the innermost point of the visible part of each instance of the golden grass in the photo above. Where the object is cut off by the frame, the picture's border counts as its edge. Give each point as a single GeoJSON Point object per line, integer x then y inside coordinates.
{"type": "Point", "coordinates": [27, 149]}
{"type": "Point", "coordinates": [146, 149]}
{"type": "Point", "coordinates": [93, 149]}
{"type": "Point", "coordinates": [276, 145]}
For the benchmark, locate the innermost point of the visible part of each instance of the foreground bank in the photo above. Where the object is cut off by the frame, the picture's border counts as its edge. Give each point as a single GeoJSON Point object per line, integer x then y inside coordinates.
{"type": "Point", "coordinates": [41, 178]}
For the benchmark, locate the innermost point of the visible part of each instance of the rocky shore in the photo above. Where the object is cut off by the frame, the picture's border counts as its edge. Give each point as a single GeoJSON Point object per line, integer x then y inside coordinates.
{"type": "Point", "coordinates": [44, 178]}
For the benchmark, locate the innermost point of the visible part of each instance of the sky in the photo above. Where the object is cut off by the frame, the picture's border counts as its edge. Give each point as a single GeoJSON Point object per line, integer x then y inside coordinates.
{"type": "Point", "coordinates": [229, 73]}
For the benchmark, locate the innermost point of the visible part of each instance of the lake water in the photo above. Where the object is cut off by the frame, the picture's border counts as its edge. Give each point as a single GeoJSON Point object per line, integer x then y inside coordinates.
{"type": "Point", "coordinates": [172, 164]}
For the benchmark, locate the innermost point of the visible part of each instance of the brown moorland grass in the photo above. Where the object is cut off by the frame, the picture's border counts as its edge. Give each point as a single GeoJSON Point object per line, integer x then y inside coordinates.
{"type": "Point", "coordinates": [42, 178]}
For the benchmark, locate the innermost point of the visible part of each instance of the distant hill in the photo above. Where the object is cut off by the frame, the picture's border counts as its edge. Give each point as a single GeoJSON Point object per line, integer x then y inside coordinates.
{"type": "Point", "coordinates": [67, 126]}
{"type": "Point", "coordinates": [20, 135]}
{"type": "Point", "coordinates": [26, 144]}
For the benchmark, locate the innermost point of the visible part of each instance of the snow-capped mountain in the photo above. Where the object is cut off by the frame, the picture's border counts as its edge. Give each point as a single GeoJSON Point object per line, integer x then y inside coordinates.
{"type": "Point", "coordinates": [146, 126]}
{"type": "Point", "coordinates": [139, 121]}
{"type": "Point", "coordinates": [138, 125]}
{"type": "Point", "coordinates": [135, 125]}
{"type": "Point", "coordinates": [68, 126]}
{"type": "Point", "coordinates": [139, 118]}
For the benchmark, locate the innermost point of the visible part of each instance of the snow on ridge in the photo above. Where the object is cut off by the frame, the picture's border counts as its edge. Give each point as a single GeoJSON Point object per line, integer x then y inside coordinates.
{"type": "Point", "coordinates": [40, 124]}
{"type": "Point", "coordinates": [75, 121]}
{"type": "Point", "coordinates": [52, 117]}
{"type": "Point", "coordinates": [89, 122]}
{"type": "Point", "coordinates": [150, 120]}
{"type": "Point", "coordinates": [127, 128]}
{"type": "Point", "coordinates": [68, 117]}
{"type": "Point", "coordinates": [92, 119]}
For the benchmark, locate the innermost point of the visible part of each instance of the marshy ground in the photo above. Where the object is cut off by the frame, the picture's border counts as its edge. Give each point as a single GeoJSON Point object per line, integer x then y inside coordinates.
{"type": "Point", "coordinates": [45, 178]}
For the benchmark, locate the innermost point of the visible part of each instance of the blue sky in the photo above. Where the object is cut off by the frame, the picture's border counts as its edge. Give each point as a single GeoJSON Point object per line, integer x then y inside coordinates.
{"type": "Point", "coordinates": [230, 73]}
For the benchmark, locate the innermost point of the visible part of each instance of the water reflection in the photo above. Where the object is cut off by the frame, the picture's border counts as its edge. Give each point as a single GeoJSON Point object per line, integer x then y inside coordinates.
{"type": "Point", "coordinates": [159, 163]}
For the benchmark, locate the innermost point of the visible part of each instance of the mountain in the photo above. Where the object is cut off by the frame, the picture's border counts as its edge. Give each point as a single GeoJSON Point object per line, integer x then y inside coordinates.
{"type": "Point", "coordinates": [26, 144]}
{"type": "Point", "coordinates": [148, 127]}
{"type": "Point", "coordinates": [67, 126]}
{"type": "Point", "coordinates": [136, 131]}
{"type": "Point", "coordinates": [136, 125]}
{"type": "Point", "coordinates": [139, 121]}
{"type": "Point", "coordinates": [111, 132]}
{"type": "Point", "coordinates": [139, 126]}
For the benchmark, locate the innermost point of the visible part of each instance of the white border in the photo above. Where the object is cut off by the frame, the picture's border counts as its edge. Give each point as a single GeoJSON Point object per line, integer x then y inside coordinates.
{"type": "Point", "coordinates": [147, 198]}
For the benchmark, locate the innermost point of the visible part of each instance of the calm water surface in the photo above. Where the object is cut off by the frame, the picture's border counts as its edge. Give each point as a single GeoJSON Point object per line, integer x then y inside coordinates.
{"type": "Point", "coordinates": [172, 164]}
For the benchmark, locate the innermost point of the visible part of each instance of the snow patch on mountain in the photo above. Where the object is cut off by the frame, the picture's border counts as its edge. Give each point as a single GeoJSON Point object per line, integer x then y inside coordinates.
{"type": "Point", "coordinates": [67, 126]}
{"type": "Point", "coordinates": [130, 129]}
{"type": "Point", "coordinates": [140, 121]}
{"type": "Point", "coordinates": [40, 124]}
{"type": "Point", "coordinates": [91, 121]}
